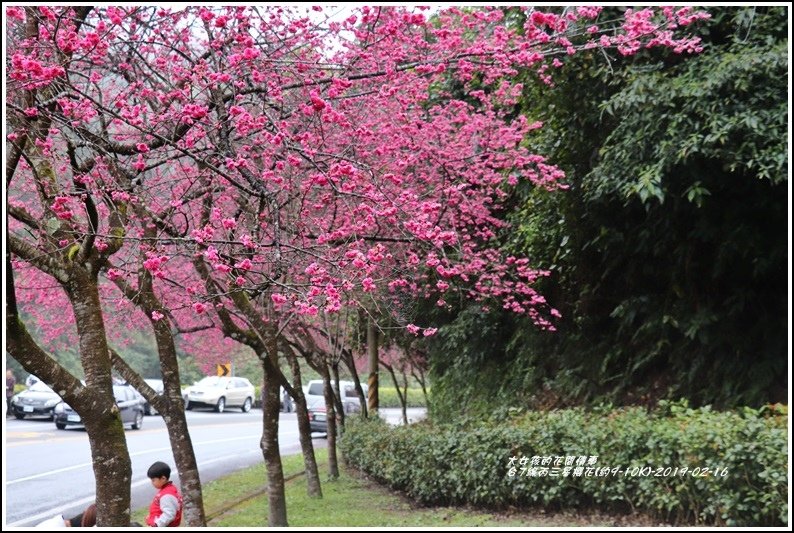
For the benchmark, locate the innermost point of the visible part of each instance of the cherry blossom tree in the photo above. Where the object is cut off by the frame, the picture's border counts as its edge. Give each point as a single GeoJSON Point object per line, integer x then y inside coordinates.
{"type": "Point", "coordinates": [243, 166]}
{"type": "Point", "coordinates": [70, 263]}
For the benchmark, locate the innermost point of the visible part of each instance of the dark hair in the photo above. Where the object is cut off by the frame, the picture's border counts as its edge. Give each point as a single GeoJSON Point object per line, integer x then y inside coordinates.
{"type": "Point", "coordinates": [89, 516]}
{"type": "Point", "coordinates": [85, 519]}
{"type": "Point", "coordinates": [159, 469]}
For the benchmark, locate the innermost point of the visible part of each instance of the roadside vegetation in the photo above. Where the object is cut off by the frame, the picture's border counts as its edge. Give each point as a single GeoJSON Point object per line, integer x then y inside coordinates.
{"type": "Point", "coordinates": [354, 500]}
{"type": "Point", "coordinates": [548, 227]}
{"type": "Point", "coordinates": [676, 464]}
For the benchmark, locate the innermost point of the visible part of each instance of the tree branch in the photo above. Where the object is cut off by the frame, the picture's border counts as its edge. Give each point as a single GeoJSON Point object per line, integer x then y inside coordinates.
{"type": "Point", "coordinates": [45, 263]}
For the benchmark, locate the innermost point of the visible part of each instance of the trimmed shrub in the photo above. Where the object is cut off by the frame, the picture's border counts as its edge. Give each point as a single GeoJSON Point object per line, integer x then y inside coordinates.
{"type": "Point", "coordinates": [677, 464]}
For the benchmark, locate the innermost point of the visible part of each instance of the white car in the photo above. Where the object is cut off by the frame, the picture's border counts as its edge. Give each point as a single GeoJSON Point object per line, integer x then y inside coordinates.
{"type": "Point", "coordinates": [220, 393]}
{"type": "Point", "coordinates": [37, 400]}
{"type": "Point", "coordinates": [315, 399]}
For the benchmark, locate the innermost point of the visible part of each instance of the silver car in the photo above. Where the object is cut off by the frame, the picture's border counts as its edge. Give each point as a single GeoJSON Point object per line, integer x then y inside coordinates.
{"type": "Point", "coordinates": [315, 398]}
{"type": "Point", "coordinates": [220, 393]}
{"type": "Point", "coordinates": [38, 400]}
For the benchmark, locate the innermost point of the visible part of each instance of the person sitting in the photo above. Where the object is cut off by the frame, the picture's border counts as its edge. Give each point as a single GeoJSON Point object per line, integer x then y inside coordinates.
{"type": "Point", "coordinates": [85, 519]}
{"type": "Point", "coordinates": [166, 508]}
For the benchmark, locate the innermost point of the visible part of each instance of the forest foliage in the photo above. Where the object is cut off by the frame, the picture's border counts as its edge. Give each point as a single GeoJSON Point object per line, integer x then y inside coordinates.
{"type": "Point", "coordinates": [667, 252]}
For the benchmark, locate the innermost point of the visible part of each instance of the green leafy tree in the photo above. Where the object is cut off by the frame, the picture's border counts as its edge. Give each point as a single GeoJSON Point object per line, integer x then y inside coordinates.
{"type": "Point", "coordinates": [669, 249]}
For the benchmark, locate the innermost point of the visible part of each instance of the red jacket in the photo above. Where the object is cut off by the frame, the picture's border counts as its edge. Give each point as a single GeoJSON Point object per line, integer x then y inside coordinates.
{"type": "Point", "coordinates": [155, 511]}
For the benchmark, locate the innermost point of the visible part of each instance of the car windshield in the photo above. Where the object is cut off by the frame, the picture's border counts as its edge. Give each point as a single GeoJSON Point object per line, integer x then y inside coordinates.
{"type": "Point", "coordinates": [214, 381]}
{"type": "Point", "coordinates": [119, 391]}
{"type": "Point", "coordinates": [316, 389]}
{"type": "Point", "coordinates": [40, 386]}
{"type": "Point", "coordinates": [156, 384]}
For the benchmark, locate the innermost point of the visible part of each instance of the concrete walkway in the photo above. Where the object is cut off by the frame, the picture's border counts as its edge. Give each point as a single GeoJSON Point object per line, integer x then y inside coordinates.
{"type": "Point", "coordinates": [394, 416]}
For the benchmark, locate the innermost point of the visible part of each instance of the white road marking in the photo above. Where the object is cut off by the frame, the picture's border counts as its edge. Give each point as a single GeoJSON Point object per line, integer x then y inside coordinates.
{"type": "Point", "coordinates": [136, 454]}
{"type": "Point", "coordinates": [52, 512]}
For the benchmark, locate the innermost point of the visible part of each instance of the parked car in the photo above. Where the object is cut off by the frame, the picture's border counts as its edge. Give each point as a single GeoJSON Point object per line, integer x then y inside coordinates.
{"type": "Point", "coordinates": [318, 420]}
{"type": "Point", "coordinates": [127, 399]}
{"type": "Point", "coordinates": [221, 392]}
{"type": "Point", "coordinates": [159, 388]}
{"type": "Point", "coordinates": [315, 398]}
{"type": "Point", "coordinates": [38, 400]}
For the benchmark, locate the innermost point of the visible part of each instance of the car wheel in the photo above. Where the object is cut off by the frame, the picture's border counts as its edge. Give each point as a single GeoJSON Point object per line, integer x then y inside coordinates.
{"type": "Point", "coordinates": [221, 405]}
{"type": "Point", "coordinates": [138, 424]}
{"type": "Point", "coordinates": [246, 405]}
{"type": "Point", "coordinates": [19, 416]}
{"type": "Point", "coordinates": [60, 426]}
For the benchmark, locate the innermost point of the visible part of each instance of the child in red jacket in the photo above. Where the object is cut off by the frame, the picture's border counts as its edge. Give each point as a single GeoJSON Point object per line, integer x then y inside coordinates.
{"type": "Point", "coordinates": [166, 508]}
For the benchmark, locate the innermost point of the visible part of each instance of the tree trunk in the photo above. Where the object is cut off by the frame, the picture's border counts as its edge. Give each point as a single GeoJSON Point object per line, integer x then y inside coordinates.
{"type": "Point", "coordinates": [313, 488]}
{"type": "Point", "coordinates": [182, 447]}
{"type": "Point", "coordinates": [402, 396]}
{"type": "Point", "coordinates": [372, 350]}
{"type": "Point", "coordinates": [109, 453]}
{"type": "Point", "coordinates": [333, 465]}
{"type": "Point", "coordinates": [264, 338]}
{"type": "Point", "coordinates": [171, 407]}
{"type": "Point", "coordinates": [112, 465]}
{"type": "Point", "coordinates": [277, 516]}
{"type": "Point", "coordinates": [420, 377]}
{"type": "Point", "coordinates": [351, 366]}
{"type": "Point", "coordinates": [95, 401]}
{"type": "Point", "coordinates": [338, 398]}
{"type": "Point", "coordinates": [405, 398]}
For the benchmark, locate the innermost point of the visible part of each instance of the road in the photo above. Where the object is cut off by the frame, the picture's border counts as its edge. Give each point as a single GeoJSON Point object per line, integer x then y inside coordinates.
{"type": "Point", "coordinates": [48, 471]}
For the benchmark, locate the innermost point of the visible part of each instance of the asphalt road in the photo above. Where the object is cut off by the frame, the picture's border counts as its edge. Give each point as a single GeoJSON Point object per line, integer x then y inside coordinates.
{"type": "Point", "coordinates": [48, 471]}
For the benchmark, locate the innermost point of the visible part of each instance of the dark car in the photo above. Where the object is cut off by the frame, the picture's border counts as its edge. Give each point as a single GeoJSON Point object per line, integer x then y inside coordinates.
{"type": "Point", "coordinates": [129, 403]}
{"type": "Point", "coordinates": [159, 388]}
{"type": "Point", "coordinates": [318, 421]}
{"type": "Point", "coordinates": [38, 400]}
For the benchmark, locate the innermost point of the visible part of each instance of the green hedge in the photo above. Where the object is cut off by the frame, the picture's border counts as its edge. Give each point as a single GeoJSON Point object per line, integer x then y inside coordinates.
{"type": "Point", "coordinates": [468, 464]}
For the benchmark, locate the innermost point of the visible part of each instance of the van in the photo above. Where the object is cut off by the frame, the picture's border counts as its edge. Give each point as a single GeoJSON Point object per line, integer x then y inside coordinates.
{"type": "Point", "coordinates": [314, 395]}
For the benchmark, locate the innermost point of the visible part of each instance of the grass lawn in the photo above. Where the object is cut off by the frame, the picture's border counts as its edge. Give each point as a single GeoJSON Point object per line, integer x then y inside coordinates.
{"type": "Point", "coordinates": [354, 501]}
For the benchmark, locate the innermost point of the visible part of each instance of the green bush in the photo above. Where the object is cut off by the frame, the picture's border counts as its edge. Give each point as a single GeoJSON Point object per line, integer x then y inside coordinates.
{"type": "Point", "coordinates": [745, 453]}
